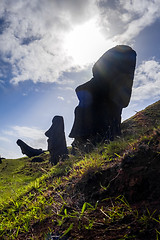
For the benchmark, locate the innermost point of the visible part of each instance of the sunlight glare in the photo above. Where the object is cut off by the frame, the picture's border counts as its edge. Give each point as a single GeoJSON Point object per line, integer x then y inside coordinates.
{"type": "Point", "coordinates": [85, 44]}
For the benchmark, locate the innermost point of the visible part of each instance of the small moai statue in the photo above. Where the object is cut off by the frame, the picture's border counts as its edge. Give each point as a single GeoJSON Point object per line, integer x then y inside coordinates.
{"type": "Point", "coordinates": [56, 140]}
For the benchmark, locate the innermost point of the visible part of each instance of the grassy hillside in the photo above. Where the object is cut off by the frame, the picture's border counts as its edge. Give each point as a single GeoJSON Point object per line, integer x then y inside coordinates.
{"type": "Point", "coordinates": [15, 174]}
{"type": "Point", "coordinates": [111, 193]}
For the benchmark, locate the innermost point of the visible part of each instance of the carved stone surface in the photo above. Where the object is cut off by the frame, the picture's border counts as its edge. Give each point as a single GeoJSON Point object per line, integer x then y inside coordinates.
{"type": "Point", "coordinates": [56, 140]}
{"type": "Point", "coordinates": [98, 115]}
{"type": "Point", "coordinates": [27, 150]}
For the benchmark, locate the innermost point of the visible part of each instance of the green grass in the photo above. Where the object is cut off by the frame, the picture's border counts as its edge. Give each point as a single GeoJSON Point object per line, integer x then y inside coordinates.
{"type": "Point", "coordinates": [32, 204]}
{"type": "Point", "coordinates": [31, 193]}
{"type": "Point", "coordinates": [10, 180]}
{"type": "Point", "coordinates": [47, 197]}
{"type": "Point", "coordinates": [16, 174]}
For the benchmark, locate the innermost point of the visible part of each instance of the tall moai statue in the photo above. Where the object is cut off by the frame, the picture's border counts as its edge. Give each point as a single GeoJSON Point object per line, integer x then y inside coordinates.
{"type": "Point", "coordinates": [56, 140]}
{"type": "Point", "coordinates": [101, 100]}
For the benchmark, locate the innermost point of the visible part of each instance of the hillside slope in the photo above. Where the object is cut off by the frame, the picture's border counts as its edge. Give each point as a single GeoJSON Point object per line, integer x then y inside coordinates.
{"type": "Point", "coordinates": [15, 174]}
{"type": "Point", "coordinates": [142, 121]}
{"type": "Point", "coordinates": [112, 193]}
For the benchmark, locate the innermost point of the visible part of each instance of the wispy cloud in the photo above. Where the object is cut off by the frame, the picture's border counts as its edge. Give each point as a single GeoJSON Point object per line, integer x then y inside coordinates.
{"type": "Point", "coordinates": [60, 98]}
{"type": "Point", "coordinates": [34, 33]}
{"type": "Point", "coordinates": [33, 136]}
{"type": "Point", "coordinates": [130, 18]}
{"type": "Point", "coordinates": [137, 15]}
{"type": "Point", "coordinates": [1, 81]}
{"type": "Point", "coordinates": [66, 89]}
{"type": "Point", "coordinates": [8, 154]}
{"type": "Point", "coordinates": [4, 139]}
{"type": "Point", "coordinates": [147, 81]}
{"type": "Point", "coordinates": [27, 132]}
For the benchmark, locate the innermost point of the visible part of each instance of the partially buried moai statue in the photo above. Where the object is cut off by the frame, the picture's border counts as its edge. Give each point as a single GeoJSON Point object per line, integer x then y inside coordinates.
{"type": "Point", "coordinates": [27, 150]}
{"type": "Point", "coordinates": [98, 115]}
{"type": "Point", "coordinates": [56, 140]}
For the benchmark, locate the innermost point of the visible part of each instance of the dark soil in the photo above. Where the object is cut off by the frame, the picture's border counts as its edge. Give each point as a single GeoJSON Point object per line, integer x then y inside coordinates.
{"type": "Point", "coordinates": [127, 191]}
{"type": "Point", "coordinates": [129, 186]}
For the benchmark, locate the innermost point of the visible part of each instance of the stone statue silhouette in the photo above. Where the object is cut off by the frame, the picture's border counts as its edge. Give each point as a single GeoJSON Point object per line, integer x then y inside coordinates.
{"type": "Point", "coordinates": [27, 150]}
{"type": "Point", "coordinates": [101, 100]}
{"type": "Point", "coordinates": [56, 140]}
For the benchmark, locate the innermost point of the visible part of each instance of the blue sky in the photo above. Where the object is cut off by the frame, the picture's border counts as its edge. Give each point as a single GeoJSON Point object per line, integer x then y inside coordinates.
{"type": "Point", "coordinates": [48, 48]}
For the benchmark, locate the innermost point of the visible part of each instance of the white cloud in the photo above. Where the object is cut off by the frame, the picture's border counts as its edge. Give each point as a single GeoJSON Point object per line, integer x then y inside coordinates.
{"type": "Point", "coordinates": [31, 135]}
{"type": "Point", "coordinates": [8, 154]}
{"type": "Point", "coordinates": [137, 15]}
{"type": "Point", "coordinates": [147, 81]}
{"type": "Point", "coordinates": [123, 20]}
{"type": "Point", "coordinates": [35, 36]}
{"type": "Point", "coordinates": [24, 132]}
{"type": "Point", "coordinates": [60, 98]}
{"type": "Point", "coordinates": [4, 139]}
{"type": "Point", "coordinates": [66, 89]}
